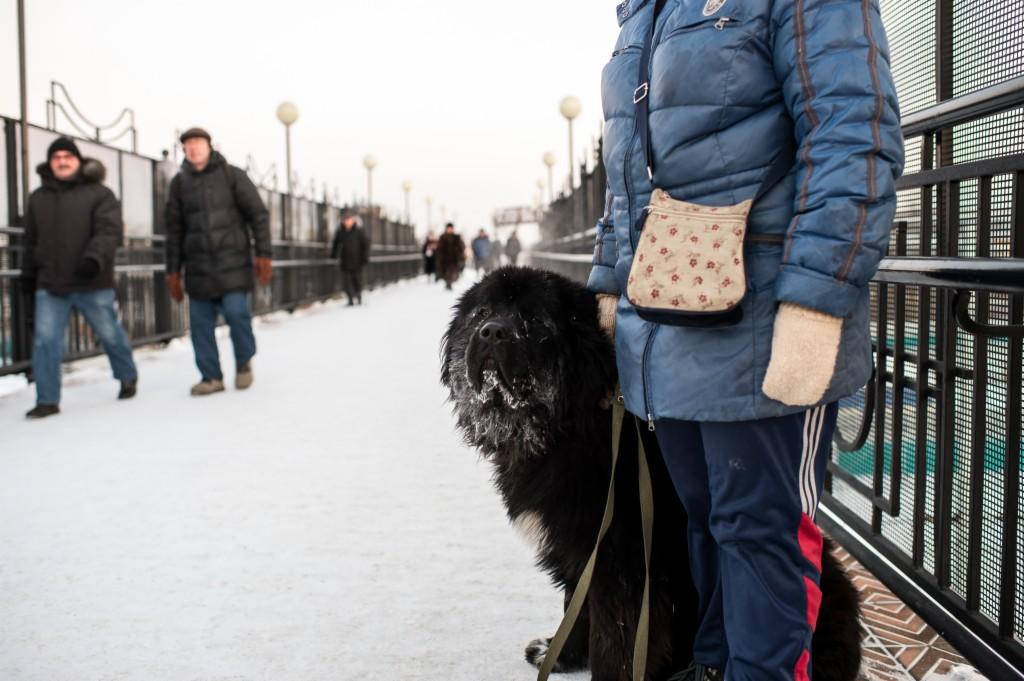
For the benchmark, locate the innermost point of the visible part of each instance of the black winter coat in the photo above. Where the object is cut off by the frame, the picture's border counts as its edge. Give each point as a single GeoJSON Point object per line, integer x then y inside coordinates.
{"type": "Point", "coordinates": [451, 253]}
{"type": "Point", "coordinates": [213, 217]}
{"type": "Point", "coordinates": [351, 249]}
{"type": "Point", "coordinates": [68, 222]}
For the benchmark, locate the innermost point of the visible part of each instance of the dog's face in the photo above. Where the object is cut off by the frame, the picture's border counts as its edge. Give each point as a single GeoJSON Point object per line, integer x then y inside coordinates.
{"type": "Point", "coordinates": [522, 351]}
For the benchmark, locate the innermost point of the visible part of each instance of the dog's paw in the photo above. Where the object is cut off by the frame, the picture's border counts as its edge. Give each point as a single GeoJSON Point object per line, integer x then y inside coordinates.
{"type": "Point", "coordinates": [537, 650]}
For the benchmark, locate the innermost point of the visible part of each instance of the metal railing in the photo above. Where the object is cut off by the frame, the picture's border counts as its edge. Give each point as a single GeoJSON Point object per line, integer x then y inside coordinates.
{"type": "Point", "coordinates": [301, 230]}
{"type": "Point", "coordinates": [924, 486]}
{"type": "Point", "coordinates": [303, 274]}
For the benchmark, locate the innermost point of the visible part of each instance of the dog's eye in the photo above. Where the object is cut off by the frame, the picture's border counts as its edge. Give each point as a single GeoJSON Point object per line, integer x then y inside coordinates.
{"type": "Point", "coordinates": [483, 312]}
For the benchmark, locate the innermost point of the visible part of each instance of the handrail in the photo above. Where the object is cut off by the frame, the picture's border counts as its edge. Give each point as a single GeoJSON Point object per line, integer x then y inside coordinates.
{"type": "Point", "coordinates": [990, 100]}
{"type": "Point", "coordinates": [997, 275]}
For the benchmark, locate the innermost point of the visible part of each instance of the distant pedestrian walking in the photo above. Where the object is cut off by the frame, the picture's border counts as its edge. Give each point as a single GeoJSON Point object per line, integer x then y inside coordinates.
{"type": "Point", "coordinates": [482, 252]}
{"type": "Point", "coordinates": [451, 255]}
{"type": "Point", "coordinates": [351, 249]}
{"type": "Point", "coordinates": [73, 229]}
{"type": "Point", "coordinates": [214, 214]}
{"type": "Point", "coordinates": [430, 257]}
{"type": "Point", "coordinates": [513, 249]}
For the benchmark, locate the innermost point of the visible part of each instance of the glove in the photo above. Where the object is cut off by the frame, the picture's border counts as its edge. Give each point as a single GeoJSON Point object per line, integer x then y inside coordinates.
{"type": "Point", "coordinates": [805, 345]}
{"type": "Point", "coordinates": [264, 270]}
{"type": "Point", "coordinates": [606, 305]}
{"type": "Point", "coordinates": [174, 287]}
{"type": "Point", "coordinates": [87, 269]}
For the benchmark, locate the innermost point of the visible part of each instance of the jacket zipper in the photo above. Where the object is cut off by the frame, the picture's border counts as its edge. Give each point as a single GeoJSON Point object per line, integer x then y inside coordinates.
{"type": "Point", "coordinates": [645, 360]}
{"type": "Point", "coordinates": [685, 214]}
{"type": "Point", "coordinates": [720, 25]}
{"type": "Point", "coordinates": [644, 365]}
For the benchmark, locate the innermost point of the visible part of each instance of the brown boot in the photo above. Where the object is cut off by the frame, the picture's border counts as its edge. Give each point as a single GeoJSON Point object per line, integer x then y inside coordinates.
{"type": "Point", "coordinates": [243, 377]}
{"type": "Point", "coordinates": [207, 388]}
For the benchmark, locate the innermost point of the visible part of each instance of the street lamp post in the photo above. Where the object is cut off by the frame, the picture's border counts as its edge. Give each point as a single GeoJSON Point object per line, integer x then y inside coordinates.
{"type": "Point", "coordinates": [369, 162]}
{"type": "Point", "coordinates": [549, 160]}
{"type": "Point", "coordinates": [407, 188]}
{"type": "Point", "coordinates": [570, 108]}
{"type": "Point", "coordinates": [288, 113]}
{"type": "Point", "coordinates": [23, 84]}
{"type": "Point", "coordinates": [430, 217]}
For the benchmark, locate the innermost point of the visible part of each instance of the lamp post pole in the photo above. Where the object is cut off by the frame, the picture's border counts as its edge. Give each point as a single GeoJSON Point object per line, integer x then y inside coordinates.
{"type": "Point", "coordinates": [288, 113]}
{"type": "Point", "coordinates": [23, 84]}
{"type": "Point", "coordinates": [549, 160]}
{"type": "Point", "coordinates": [407, 188]}
{"type": "Point", "coordinates": [369, 162]}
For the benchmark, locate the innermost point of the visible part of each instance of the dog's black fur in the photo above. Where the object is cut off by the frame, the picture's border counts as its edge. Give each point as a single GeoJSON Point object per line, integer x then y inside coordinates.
{"type": "Point", "coordinates": [530, 374]}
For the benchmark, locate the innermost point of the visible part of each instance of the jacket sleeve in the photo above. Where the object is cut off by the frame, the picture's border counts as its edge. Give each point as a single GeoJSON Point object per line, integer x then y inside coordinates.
{"type": "Point", "coordinates": [107, 230]}
{"type": "Point", "coordinates": [606, 253]}
{"type": "Point", "coordinates": [336, 245]}
{"type": "Point", "coordinates": [28, 244]}
{"type": "Point", "coordinates": [175, 237]}
{"type": "Point", "coordinates": [254, 211]}
{"type": "Point", "coordinates": [832, 59]}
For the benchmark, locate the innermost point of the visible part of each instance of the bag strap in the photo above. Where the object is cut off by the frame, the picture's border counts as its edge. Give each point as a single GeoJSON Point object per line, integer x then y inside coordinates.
{"type": "Point", "coordinates": [579, 594]}
{"type": "Point", "coordinates": [781, 165]}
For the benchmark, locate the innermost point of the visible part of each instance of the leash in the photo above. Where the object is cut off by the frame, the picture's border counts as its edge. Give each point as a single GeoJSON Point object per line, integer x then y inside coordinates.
{"type": "Point", "coordinates": [579, 595]}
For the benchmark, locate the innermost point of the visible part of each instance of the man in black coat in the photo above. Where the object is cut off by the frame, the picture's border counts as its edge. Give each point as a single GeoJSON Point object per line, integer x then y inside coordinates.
{"type": "Point", "coordinates": [352, 250]}
{"type": "Point", "coordinates": [73, 229]}
{"type": "Point", "coordinates": [214, 214]}
{"type": "Point", "coordinates": [451, 255]}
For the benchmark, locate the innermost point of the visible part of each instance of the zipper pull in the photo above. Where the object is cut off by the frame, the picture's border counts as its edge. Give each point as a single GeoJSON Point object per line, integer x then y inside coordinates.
{"type": "Point", "coordinates": [720, 24]}
{"type": "Point", "coordinates": [650, 422]}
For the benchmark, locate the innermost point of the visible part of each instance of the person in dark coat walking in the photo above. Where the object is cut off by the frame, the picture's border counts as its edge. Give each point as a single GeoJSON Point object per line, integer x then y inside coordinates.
{"type": "Point", "coordinates": [73, 229]}
{"type": "Point", "coordinates": [351, 249]}
{"type": "Point", "coordinates": [430, 257]}
{"type": "Point", "coordinates": [214, 214]}
{"type": "Point", "coordinates": [451, 255]}
{"type": "Point", "coordinates": [513, 248]}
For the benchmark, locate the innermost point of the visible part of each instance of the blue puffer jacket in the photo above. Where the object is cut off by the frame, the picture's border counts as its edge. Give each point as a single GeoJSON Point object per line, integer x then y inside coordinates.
{"type": "Point", "coordinates": [729, 81]}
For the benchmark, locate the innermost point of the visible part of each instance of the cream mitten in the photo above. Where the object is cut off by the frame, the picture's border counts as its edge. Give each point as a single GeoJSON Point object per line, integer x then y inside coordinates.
{"type": "Point", "coordinates": [606, 304]}
{"type": "Point", "coordinates": [805, 346]}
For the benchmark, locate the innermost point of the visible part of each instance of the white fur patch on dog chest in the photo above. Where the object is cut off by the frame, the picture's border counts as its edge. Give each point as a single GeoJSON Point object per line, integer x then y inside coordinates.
{"type": "Point", "coordinates": [532, 529]}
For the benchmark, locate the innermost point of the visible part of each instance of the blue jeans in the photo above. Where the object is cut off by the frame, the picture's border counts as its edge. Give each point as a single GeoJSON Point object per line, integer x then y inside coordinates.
{"type": "Point", "coordinates": [51, 321]}
{"type": "Point", "coordinates": [202, 315]}
{"type": "Point", "coordinates": [750, 489]}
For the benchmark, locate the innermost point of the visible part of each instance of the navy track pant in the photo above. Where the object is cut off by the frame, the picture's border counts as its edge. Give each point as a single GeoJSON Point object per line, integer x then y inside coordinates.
{"type": "Point", "coordinates": [750, 490]}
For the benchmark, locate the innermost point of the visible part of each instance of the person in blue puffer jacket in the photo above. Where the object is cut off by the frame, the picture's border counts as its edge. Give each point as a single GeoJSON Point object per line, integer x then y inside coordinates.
{"type": "Point", "coordinates": [744, 414]}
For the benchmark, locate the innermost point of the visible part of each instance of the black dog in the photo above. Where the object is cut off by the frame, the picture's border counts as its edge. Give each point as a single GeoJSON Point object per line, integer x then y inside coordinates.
{"type": "Point", "coordinates": [530, 374]}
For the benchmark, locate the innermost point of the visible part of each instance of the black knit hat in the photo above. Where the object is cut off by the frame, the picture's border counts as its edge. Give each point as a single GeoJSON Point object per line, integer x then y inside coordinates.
{"type": "Point", "coordinates": [195, 132]}
{"type": "Point", "coordinates": [63, 144]}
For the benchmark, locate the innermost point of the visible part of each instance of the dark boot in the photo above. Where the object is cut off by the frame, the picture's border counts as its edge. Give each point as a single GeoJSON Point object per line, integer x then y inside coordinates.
{"type": "Point", "coordinates": [41, 411]}
{"type": "Point", "coordinates": [128, 389]}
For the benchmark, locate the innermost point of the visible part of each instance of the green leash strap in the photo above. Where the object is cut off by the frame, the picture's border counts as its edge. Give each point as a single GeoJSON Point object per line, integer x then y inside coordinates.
{"type": "Point", "coordinates": [579, 595]}
{"type": "Point", "coordinates": [647, 519]}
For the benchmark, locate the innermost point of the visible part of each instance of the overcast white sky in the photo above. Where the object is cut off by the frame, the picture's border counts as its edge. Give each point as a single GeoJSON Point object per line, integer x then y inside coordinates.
{"type": "Point", "coordinates": [459, 97]}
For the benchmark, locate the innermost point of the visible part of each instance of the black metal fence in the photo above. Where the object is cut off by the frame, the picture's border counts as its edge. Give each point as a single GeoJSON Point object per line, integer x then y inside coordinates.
{"type": "Point", "coordinates": [924, 486]}
{"type": "Point", "coordinates": [301, 229]}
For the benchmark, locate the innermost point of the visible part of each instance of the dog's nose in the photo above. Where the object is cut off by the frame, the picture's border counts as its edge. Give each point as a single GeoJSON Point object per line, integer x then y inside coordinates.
{"type": "Point", "coordinates": [495, 331]}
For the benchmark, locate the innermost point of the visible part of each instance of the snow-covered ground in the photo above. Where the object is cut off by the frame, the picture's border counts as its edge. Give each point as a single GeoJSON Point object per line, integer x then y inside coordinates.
{"type": "Point", "coordinates": [326, 525]}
